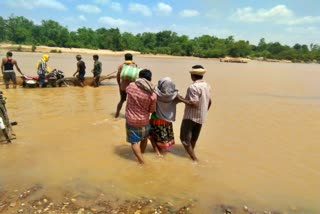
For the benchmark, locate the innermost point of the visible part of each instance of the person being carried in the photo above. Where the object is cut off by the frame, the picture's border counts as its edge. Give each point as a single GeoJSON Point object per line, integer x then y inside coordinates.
{"type": "Point", "coordinates": [123, 83]}
{"type": "Point", "coordinates": [198, 103]}
{"type": "Point", "coordinates": [141, 102]}
{"type": "Point", "coordinates": [7, 69]}
{"type": "Point", "coordinates": [161, 133]}
{"type": "Point", "coordinates": [81, 70]}
{"type": "Point", "coordinates": [97, 69]}
{"type": "Point", "coordinates": [42, 70]}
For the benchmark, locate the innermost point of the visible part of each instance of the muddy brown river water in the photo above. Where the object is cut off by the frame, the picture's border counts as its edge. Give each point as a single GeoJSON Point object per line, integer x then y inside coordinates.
{"type": "Point", "coordinates": [259, 147]}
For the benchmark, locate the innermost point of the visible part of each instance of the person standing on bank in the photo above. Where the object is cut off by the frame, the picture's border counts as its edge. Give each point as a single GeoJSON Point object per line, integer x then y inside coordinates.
{"type": "Point", "coordinates": [122, 83]}
{"type": "Point", "coordinates": [8, 71]}
{"type": "Point", "coordinates": [197, 103]}
{"type": "Point", "coordinates": [97, 69]}
{"type": "Point", "coordinates": [81, 70]}
{"type": "Point", "coordinates": [141, 102]}
{"type": "Point", "coordinates": [42, 70]}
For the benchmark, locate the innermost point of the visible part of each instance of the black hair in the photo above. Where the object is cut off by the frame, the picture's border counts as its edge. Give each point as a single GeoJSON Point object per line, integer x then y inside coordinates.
{"type": "Point", "coordinates": [145, 73]}
{"type": "Point", "coordinates": [95, 56]}
{"type": "Point", "coordinates": [196, 76]}
{"type": "Point", "coordinates": [9, 53]}
{"type": "Point", "coordinates": [128, 56]}
{"type": "Point", "coordinates": [197, 67]}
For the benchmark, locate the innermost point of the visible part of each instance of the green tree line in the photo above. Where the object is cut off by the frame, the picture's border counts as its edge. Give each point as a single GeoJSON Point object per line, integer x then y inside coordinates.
{"type": "Point", "coordinates": [20, 30]}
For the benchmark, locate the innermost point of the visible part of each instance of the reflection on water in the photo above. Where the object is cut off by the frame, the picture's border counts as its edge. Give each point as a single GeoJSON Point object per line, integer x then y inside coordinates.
{"type": "Point", "coordinates": [259, 151]}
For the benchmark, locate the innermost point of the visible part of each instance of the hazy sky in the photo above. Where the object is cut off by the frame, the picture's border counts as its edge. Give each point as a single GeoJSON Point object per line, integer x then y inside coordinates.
{"type": "Point", "coordinates": [284, 21]}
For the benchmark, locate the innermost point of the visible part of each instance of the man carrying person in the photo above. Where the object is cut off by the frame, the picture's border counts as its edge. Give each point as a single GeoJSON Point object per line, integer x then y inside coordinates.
{"type": "Point", "coordinates": [123, 83]}
{"type": "Point", "coordinates": [8, 71]}
{"type": "Point", "coordinates": [198, 103]}
{"type": "Point", "coordinates": [141, 102]}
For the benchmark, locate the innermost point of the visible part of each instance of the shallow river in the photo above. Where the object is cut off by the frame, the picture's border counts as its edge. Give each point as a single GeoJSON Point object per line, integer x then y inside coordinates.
{"type": "Point", "coordinates": [258, 148]}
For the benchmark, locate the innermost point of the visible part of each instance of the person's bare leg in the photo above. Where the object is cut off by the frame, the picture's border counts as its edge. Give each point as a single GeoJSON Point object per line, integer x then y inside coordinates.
{"type": "Point", "coordinates": [193, 144]}
{"type": "Point", "coordinates": [156, 148]}
{"type": "Point", "coordinates": [137, 152]}
{"type": "Point", "coordinates": [5, 133]}
{"type": "Point", "coordinates": [143, 144]}
{"type": "Point", "coordinates": [119, 106]}
{"type": "Point", "coordinates": [190, 151]}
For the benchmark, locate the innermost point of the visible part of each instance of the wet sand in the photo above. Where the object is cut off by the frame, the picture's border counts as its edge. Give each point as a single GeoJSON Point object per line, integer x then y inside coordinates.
{"type": "Point", "coordinates": [258, 148]}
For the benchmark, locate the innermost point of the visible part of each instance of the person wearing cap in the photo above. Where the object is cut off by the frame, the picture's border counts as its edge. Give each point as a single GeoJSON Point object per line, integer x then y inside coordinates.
{"type": "Point", "coordinates": [7, 69]}
{"type": "Point", "coordinates": [197, 103]}
{"type": "Point", "coordinates": [43, 69]}
{"type": "Point", "coordinates": [81, 70]}
{"type": "Point", "coordinates": [122, 83]}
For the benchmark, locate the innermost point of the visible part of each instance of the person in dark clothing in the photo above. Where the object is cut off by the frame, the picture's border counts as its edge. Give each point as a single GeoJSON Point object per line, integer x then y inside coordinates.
{"type": "Point", "coordinates": [97, 69]}
{"type": "Point", "coordinates": [81, 70]}
{"type": "Point", "coordinates": [7, 69]}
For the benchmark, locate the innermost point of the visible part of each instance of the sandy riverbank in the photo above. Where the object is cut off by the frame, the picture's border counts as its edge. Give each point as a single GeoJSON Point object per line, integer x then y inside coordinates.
{"type": "Point", "coordinates": [47, 49]}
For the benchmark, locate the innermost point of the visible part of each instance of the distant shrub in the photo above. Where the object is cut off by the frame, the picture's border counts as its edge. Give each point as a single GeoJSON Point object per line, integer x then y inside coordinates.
{"type": "Point", "coordinates": [33, 48]}
{"type": "Point", "coordinates": [55, 51]}
{"type": "Point", "coordinates": [19, 48]}
{"type": "Point", "coordinates": [51, 43]}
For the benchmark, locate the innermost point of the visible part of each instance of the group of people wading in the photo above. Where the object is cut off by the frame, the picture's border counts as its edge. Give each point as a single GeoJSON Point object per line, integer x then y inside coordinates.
{"type": "Point", "coordinates": [8, 63]}
{"type": "Point", "coordinates": [144, 99]}
{"type": "Point", "coordinates": [150, 110]}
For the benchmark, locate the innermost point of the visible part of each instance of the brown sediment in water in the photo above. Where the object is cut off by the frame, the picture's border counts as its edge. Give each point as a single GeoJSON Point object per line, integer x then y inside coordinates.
{"type": "Point", "coordinates": [34, 200]}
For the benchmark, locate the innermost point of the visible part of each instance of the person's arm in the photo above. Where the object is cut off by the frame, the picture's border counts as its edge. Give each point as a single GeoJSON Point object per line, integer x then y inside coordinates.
{"type": "Point", "coordinates": [194, 104]}
{"type": "Point", "coordinates": [16, 64]}
{"type": "Point", "coordinates": [78, 69]}
{"type": "Point", "coordinates": [2, 65]}
{"type": "Point", "coordinates": [118, 74]}
{"type": "Point", "coordinates": [152, 107]}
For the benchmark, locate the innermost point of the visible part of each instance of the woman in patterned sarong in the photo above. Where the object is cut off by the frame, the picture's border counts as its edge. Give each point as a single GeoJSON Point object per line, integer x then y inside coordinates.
{"type": "Point", "coordinates": [161, 133]}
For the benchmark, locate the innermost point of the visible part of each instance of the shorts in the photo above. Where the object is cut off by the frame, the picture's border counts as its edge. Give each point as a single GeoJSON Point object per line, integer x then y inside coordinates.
{"type": "Point", "coordinates": [189, 131]}
{"type": "Point", "coordinates": [136, 134]}
{"type": "Point", "coordinates": [123, 95]}
{"type": "Point", "coordinates": [42, 79]}
{"type": "Point", "coordinates": [81, 77]}
{"type": "Point", "coordinates": [7, 76]}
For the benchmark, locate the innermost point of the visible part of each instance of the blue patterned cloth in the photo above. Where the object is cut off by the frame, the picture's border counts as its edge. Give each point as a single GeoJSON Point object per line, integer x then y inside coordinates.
{"type": "Point", "coordinates": [136, 134]}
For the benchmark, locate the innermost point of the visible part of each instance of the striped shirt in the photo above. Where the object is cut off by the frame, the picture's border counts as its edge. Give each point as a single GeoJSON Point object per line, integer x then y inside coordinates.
{"type": "Point", "coordinates": [199, 91]}
{"type": "Point", "coordinates": [139, 105]}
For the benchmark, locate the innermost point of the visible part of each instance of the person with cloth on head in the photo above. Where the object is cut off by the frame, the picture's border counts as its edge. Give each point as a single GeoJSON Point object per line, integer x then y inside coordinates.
{"type": "Point", "coordinates": [97, 69]}
{"type": "Point", "coordinates": [123, 83]}
{"type": "Point", "coordinates": [198, 102]}
{"type": "Point", "coordinates": [43, 69]}
{"type": "Point", "coordinates": [8, 71]}
{"type": "Point", "coordinates": [161, 133]}
{"type": "Point", "coordinates": [81, 69]}
{"type": "Point", "coordinates": [140, 103]}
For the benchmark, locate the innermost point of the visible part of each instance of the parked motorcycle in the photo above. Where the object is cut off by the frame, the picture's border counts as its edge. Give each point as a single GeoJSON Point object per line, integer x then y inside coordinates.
{"type": "Point", "coordinates": [6, 133]}
{"type": "Point", "coordinates": [51, 79]}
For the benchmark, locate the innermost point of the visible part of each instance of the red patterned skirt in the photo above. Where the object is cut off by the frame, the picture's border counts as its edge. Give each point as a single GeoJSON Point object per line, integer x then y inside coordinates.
{"type": "Point", "coordinates": [161, 132]}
